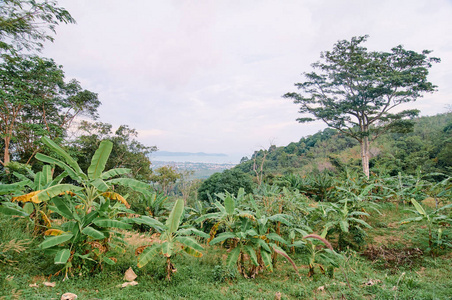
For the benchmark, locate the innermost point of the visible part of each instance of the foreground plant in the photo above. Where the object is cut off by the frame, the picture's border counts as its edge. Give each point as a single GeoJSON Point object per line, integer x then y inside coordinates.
{"type": "Point", "coordinates": [89, 217]}
{"type": "Point", "coordinates": [173, 239]}
{"type": "Point", "coordinates": [434, 220]}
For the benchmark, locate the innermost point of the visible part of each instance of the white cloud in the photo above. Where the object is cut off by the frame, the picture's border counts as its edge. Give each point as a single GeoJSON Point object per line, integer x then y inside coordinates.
{"type": "Point", "coordinates": [209, 75]}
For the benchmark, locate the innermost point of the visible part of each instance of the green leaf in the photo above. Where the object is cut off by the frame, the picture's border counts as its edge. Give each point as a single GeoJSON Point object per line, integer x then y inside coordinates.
{"type": "Point", "coordinates": [114, 172]}
{"type": "Point", "coordinates": [280, 218]}
{"type": "Point", "coordinates": [148, 254]}
{"type": "Point", "coordinates": [189, 242]}
{"type": "Point", "coordinates": [87, 219]}
{"type": "Point", "coordinates": [233, 257]}
{"type": "Point", "coordinates": [344, 225]}
{"type": "Point", "coordinates": [11, 188]}
{"type": "Point", "coordinates": [13, 210]}
{"type": "Point", "coordinates": [267, 259]}
{"type": "Point", "coordinates": [63, 209]}
{"type": "Point", "coordinates": [55, 240]}
{"type": "Point", "coordinates": [50, 160]}
{"type": "Point", "coordinates": [69, 160]}
{"type": "Point", "coordinates": [418, 207]}
{"type": "Point", "coordinates": [229, 205]}
{"type": "Point", "coordinates": [150, 222]}
{"type": "Point", "coordinates": [222, 237]}
{"type": "Point", "coordinates": [263, 245]}
{"type": "Point", "coordinates": [99, 159]}
{"type": "Point", "coordinates": [46, 174]}
{"type": "Point", "coordinates": [95, 234]}
{"type": "Point", "coordinates": [131, 183]}
{"type": "Point", "coordinates": [62, 256]}
{"type": "Point", "coordinates": [28, 207]}
{"type": "Point", "coordinates": [109, 223]}
{"type": "Point", "coordinates": [173, 220]}
{"type": "Point", "coordinates": [275, 237]}
{"type": "Point", "coordinates": [108, 261]}
{"type": "Point", "coordinates": [167, 249]}
{"type": "Point", "coordinates": [252, 254]}
{"type": "Point", "coordinates": [54, 191]}
{"type": "Point", "coordinates": [100, 185]}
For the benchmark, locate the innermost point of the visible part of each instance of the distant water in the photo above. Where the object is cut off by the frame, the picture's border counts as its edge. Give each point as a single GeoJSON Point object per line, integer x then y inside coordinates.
{"type": "Point", "coordinates": [224, 159]}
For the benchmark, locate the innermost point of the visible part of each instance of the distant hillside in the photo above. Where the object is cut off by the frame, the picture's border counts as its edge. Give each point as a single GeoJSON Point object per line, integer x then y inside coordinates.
{"type": "Point", "coordinates": [201, 170]}
{"type": "Point", "coordinates": [428, 146]}
{"type": "Point", "coordinates": [168, 153]}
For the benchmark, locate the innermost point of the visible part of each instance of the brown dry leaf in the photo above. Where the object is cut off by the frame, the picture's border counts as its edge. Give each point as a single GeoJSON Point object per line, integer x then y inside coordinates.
{"type": "Point", "coordinates": [69, 296]}
{"type": "Point", "coordinates": [130, 275]}
{"type": "Point", "coordinates": [278, 296]}
{"type": "Point", "coordinates": [49, 284]}
{"type": "Point", "coordinates": [127, 284]}
{"type": "Point", "coordinates": [321, 288]}
{"type": "Point", "coordinates": [33, 285]}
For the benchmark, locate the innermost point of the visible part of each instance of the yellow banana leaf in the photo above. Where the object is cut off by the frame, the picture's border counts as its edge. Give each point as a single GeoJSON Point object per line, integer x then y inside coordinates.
{"type": "Point", "coordinates": [27, 197]}
{"type": "Point", "coordinates": [45, 218]}
{"type": "Point", "coordinates": [53, 232]}
{"type": "Point", "coordinates": [117, 197]}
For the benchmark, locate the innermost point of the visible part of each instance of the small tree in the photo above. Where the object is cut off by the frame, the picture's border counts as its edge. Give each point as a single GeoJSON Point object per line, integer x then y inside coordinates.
{"type": "Point", "coordinates": [355, 90]}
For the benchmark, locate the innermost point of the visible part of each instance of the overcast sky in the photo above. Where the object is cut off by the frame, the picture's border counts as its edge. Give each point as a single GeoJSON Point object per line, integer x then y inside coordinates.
{"type": "Point", "coordinates": [209, 75]}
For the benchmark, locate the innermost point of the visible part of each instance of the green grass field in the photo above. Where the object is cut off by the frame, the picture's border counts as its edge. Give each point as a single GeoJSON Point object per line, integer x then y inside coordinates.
{"type": "Point", "coordinates": [393, 264]}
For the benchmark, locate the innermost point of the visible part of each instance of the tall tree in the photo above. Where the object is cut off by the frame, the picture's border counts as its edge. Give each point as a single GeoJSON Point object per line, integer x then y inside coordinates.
{"type": "Point", "coordinates": [355, 90]}
{"type": "Point", "coordinates": [26, 24]}
{"type": "Point", "coordinates": [36, 101]}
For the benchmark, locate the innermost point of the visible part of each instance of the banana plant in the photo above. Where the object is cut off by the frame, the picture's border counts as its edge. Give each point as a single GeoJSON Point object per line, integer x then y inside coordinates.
{"type": "Point", "coordinates": [345, 220]}
{"type": "Point", "coordinates": [89, 218]}
{"type": "Point", "coordinates": [253, 246]}
{"type": "Point", "coordinates": [317, 254]}
{"type": "Point", "coordinates": [174, 238]}
{"type": "Point", "coordinates": [434, 220]}
{"type": "Point", "coordinates": [226, 215]}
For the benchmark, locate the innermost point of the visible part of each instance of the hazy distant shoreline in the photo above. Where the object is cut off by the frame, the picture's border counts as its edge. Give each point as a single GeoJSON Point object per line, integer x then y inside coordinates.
{"type": "Point", "coordinates": [200, 157]}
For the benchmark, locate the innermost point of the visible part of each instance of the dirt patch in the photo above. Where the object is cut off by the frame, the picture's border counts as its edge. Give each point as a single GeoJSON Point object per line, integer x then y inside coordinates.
{"type": "Point", "coordinates": [393, 257]}
{"type": "Point", "coordinates": [388, 240]}
{"type": "Point", "coordinates": [139, 239]}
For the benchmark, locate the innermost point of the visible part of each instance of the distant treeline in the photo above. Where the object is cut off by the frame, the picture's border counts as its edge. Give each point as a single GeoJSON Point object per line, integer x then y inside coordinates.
{"type": "Point", "coordinates": [428, 148]}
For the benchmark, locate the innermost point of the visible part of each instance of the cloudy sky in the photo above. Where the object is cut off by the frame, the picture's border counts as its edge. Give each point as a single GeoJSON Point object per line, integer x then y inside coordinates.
{"type": "Point", "coordinates": [208, 76]}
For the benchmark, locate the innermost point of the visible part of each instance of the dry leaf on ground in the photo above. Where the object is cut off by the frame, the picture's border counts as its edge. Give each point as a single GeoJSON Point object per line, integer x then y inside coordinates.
{"type": "Point", "coordinates": [127, 284]}
{"type": "Point", "coordinates": [130, 275]}
{"type": "Point", "coordinates": [49, 284]}
{"type": "Point", "coordinates": [68, 296]}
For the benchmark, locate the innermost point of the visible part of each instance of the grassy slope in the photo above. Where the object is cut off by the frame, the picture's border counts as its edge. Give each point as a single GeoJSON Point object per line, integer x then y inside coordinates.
{"type": "Point", "coordinates": [206, 278]}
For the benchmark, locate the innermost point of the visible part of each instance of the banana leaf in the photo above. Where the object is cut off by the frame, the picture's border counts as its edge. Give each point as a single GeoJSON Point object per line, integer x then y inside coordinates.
{"type": "Point", "coordinates": [62, 256]}
{"type": "Point", "coordinates": [174, 218]}
{"type": "Point", "coordinates": [148, 254]}
{"type": "Point", "coordinates": [55, 240]}
{"type": "Point", "coordinates": [99, 159]}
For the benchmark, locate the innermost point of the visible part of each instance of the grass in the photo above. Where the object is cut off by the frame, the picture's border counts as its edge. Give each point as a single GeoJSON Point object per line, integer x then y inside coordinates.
{"type": "Point", "coordinates": [419, 277]}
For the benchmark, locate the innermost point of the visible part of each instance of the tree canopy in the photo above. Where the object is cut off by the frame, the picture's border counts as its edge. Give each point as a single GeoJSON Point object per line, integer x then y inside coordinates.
{"type": "Point", "coordinates": [355, 90]}
{"type": "Point", "coordinates": [35, 102]}
{"type": "Point", "coordinates": [26, 24]}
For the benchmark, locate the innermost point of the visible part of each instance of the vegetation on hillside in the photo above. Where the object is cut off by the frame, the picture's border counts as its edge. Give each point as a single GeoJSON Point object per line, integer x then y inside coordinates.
{"type": "Point", "coordinates": [294, 222]}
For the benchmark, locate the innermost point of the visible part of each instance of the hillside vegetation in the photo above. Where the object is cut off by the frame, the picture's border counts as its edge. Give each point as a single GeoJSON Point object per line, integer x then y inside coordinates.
{"type": "Point", "coordinates": [427, 147]}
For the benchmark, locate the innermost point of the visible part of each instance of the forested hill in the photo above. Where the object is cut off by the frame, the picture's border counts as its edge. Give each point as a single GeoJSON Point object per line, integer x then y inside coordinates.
{"type": "Point", "coordinates": [428, 147]}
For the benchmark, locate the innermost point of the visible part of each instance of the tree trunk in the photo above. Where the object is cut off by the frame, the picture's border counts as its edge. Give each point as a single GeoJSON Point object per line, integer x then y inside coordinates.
{"type": "Point", "coordinates": [6, 156]}
{"type": "Point", "coordinates": [365, 155]}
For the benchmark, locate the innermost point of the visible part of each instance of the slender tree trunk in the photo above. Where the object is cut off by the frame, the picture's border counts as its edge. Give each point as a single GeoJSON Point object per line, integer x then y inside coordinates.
{"type": "Point", "coordinates": [365, 155]}
{"type": "Point", "coordinates": [6, 156]}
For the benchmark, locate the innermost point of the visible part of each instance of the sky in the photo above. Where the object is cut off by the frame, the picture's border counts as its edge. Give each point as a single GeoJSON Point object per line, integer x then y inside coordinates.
{"type": "Point", "coordinates": [208, 76]}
